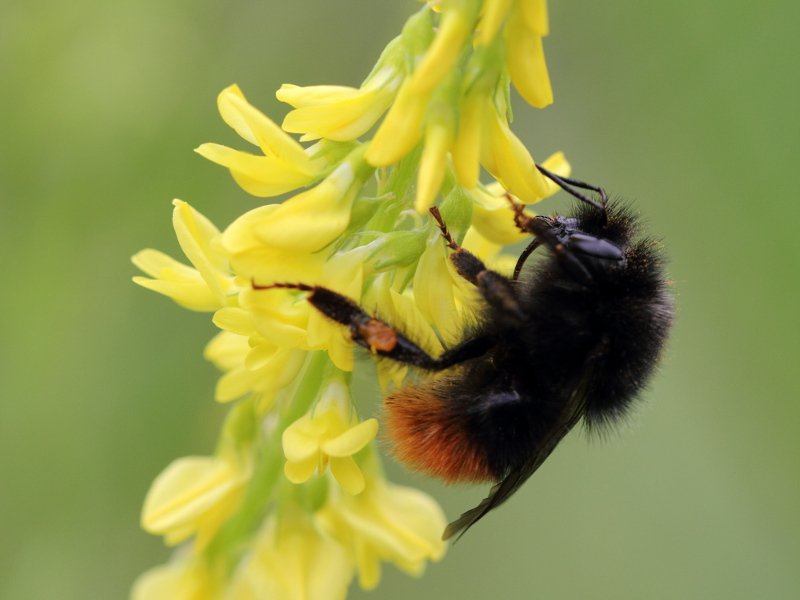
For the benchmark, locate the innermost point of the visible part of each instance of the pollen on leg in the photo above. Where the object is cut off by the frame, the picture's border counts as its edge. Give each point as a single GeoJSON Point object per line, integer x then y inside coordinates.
{"type": "Point", "coordinates": [428, 435]}
{"type": "Point", "coordinates": [378, 335]}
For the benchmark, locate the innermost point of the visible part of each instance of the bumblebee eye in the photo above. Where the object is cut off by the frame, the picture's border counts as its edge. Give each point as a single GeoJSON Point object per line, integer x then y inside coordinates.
{"type": "Point", "coordinates": [593, 246]}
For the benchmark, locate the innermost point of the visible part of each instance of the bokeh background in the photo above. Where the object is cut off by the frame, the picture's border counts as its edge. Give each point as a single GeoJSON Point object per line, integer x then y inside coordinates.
{"type": "Point", "coordinates": [690, 107]}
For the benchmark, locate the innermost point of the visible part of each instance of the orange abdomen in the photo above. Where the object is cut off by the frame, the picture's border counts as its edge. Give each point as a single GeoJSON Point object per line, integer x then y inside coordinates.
{"type": "Point", "coordinates": [432, 436]}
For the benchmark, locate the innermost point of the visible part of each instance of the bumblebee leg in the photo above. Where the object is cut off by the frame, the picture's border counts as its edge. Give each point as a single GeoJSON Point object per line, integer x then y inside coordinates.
{"type": "Point", "coordinates": [377, 336]}
{"type": "Point", "coordinates": [524, 256]}
{"type": "Point", "coordinates": [496, 289]}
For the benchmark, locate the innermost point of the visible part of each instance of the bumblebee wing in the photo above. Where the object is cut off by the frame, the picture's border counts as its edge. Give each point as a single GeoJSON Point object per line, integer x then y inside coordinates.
{"type": "Point", "coordinates": [574, 408]}
{"type": "Point", "coordinates": [499, 494]}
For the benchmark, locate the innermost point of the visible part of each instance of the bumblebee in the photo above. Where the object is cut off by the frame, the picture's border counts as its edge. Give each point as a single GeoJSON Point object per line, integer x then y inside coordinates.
{"type": "Point", "coordinates": [573, 337]}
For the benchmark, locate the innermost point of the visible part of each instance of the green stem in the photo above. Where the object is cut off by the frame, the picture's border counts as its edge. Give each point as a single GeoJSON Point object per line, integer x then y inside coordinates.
{"type": "Point", "coordinates": [231, 537]}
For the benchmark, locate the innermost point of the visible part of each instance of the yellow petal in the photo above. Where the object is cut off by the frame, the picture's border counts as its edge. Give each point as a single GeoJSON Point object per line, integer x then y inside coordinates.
{"type": "Point", "coordinates": [234, 319]}
{"type": "Point", "coordinates": [340, 351]}
{"type": "Point", "coordinates": [467, 147]}
{"type": "Point", "coordinates": [506, 157]}
{"type": "Point", "coordinates": [312, 95]}
{"type": "Point", "coordinates": [534, 15]}
{"type": "Point", "coordinates": [256, 127]}
{"type": "Point", "coordinates": [343, 115]}
{"type": "Point", "coordinates": [401, 129]}
{"type": "Point", "coordinates": [281, 370]}
{"type": "Point", "coordinates": [260, 355]}
{"type": "Point", "coordinates": [226, 350]}
{"type": "Point", "coordinates": [558, 164]}
{"type": "Point", "coordinates": [432, 165]}
{"type": "Point", "coordinates": [155, 262]}
{"type": "Point", "coordinates": [298, 445]}
{"type": "Point", "coordinates": [526, 64]}
{"type": "Point", "coordinates": [291, 559]}
{"type": "Point", "coordinates": [185, 490]}
{"type": "Point", "coordinates": [493, 13]}
{"type": "Point", "coordinates": [300, 471]}
{"type": "Point", "coordinates": [493, 217]}
{"type": "Point", "coordinates": [240, 235]}
{"type": "Point", "coordinates": [262, 176]}
{"type": "Point", "coordinates": [234, 384]}
{"type": "Point", "coordinates": [178, 580]}
{"type": "Point", "coordinates": [433, 291]}
{"type": "Point", "coordinates": [311, 220]}
{"type": "Point", "coordinates": [351, 441]}
{"type": "Point", "coordinates": [443, 52]}
{"type": "Point", "coordinates": [196, 236]}
{"type": "Point", "coordinates": [347, 473]}
{"type": "Point", "coordinates": [192, 294]}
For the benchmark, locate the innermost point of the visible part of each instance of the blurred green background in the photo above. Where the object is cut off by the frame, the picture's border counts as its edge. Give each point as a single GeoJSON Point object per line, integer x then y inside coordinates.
{"type": "Point", "coordinates": [689, 107]}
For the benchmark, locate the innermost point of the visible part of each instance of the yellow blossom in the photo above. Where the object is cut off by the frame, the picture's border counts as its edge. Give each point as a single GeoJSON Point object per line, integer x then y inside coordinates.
{"type": "Point", "coordinates": [330, 434]}
{"type": "Point", "coordinates": [306, 222]}
{"type": "Point", "coordinates": [206, 287]}
{"type": "Point", "coordinates": [440, 293]}
{"type": "Point", "coordinates": [401, 129]}
{"type": "Point", "coordinates": [443, 52]}
{"type": "Point", "coordinates": [506, 157]}
{"type": "Point", "coordinates": [183, 578]}
{"type": "Point", "coordinates": [492, 213]}
{"type": "Point", "coordinates": [291, 559]}
{"type": "Point", "coordinates": [193, 496]}
{"type": "Point", "coordinates": [493, 13]}
{"type": "Point", "coordinates": [467, 147]}
{"type": "Point", "coordinates": [251, 364]}
{"type": "Point", "coordinates": [386, 522]}
{"type": "Point", "coordinates": [525, 56]}
{"type": "Point", "coordinates": [438, 140]}
{"type": "Point", "coordinates": [286, 319]}
{"type": "Point", "coordinates": [285, 165]}
{"type": "Point", "coordinates": [338, 113]}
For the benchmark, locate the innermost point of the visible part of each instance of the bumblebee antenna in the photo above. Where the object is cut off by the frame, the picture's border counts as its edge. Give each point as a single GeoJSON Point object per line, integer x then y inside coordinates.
{"type": "Point", "coordinates": [569, 185]}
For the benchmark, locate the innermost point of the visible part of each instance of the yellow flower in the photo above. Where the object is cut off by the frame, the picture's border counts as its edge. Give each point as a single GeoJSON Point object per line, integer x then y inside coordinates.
{"type": "Point", "coordinates": [286, 319]}
{"type": "Point", "coordinates": [193, 496]}
{"type": "Point", "coordinates": [440, 293]}
{"type": "Point", "coordinates": [284, 166]}
{"type": "Point", "coordinates": [251, 363]}
{"type": "Point", "coordinates": [306, 222]}
{"type": "Point", "coordinates": [401, 129]}
{"type": "Point", "coordinates": [440, 58]}
{"type": "Point", "coordinates": [493, 13]}
{"type": "Point", "coordinates": [331, 433]}
{"type": "Point", "coordinates": [492, 214]}
{"type": "Point", "coordinates": [525, 56]}
{"type": "Point", "coordinates": [183, 578]}
{"type": "Point", "coordinates": [339, 113]}
{"type": "Point", "coordinates": [433, 164]}
{"type": "Point", "coordinates": [291, 559]}
{"type": "Point", "coordinates": [467, 147]}
{"type": "Point", "coordinates": [386, 522]}
{"type": "Point", "coordinates": [507, 159]}
{"type": "Point", "coordinates": [206, 287]}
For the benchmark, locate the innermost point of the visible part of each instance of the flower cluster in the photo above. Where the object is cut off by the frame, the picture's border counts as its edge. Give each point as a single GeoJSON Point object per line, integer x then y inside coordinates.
{"type": "Point", "coordinates": [294, 502]}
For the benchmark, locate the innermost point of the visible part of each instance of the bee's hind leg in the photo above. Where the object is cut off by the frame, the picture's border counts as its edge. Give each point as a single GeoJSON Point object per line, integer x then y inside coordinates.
{"type": "Point", "coordinates": [377, 336]}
